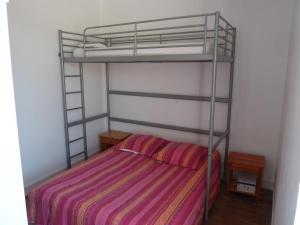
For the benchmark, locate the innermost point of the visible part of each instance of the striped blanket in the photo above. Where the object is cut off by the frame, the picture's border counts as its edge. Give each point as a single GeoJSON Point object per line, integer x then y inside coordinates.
{"type": "Point", "coordinates": [118, 187]}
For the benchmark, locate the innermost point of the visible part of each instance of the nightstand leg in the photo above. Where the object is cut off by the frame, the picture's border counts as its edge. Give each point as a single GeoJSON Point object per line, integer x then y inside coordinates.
{"type": "Point", "coordinates": [229, 178]}
{"type": "Point", "coordinates": [259, 185]}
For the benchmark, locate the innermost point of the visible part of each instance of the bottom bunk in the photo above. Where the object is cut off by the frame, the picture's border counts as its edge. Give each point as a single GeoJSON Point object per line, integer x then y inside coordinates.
{"type": "Point", "coordinates": [129, 184]}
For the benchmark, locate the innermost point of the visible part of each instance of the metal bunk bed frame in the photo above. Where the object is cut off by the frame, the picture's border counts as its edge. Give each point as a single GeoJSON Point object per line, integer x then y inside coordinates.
{"type": "Point", "coordinates": [223, 36]}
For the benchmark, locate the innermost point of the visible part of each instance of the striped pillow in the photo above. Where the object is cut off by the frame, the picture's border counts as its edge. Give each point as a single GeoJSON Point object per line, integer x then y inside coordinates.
{"type": "Point", "coordinates": [182, 154]}
{"type": "Point", "coordinates": [142, 144]}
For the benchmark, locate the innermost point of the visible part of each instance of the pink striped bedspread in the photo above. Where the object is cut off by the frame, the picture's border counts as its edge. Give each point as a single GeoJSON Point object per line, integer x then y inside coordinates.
{"type": "Point", "coordinates": [118, 187]}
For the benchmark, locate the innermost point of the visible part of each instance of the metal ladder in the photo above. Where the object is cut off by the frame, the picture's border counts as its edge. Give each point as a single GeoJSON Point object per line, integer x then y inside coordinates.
{"type": "Point", "coordinates": [82, 122]}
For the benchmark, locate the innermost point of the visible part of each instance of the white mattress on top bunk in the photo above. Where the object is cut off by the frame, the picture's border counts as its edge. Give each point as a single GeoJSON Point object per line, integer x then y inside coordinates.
{"type": "Point", "coordinates": [167, 49]}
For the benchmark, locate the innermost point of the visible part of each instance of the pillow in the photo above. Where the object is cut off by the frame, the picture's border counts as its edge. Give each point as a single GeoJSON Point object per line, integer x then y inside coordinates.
{"type": "Point", "coordinates": [182, 154]}
{"type": "Point", "coordinates": [142, 144]}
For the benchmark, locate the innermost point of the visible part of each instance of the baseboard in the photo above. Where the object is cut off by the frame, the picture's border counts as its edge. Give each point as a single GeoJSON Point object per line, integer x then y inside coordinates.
{"type": "Point", "coordinates": [36, 182]}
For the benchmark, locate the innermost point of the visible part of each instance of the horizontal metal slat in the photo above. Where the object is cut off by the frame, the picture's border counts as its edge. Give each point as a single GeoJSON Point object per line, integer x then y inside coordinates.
{"type": "Point", "coordinates": [72, 39]}
{"type": "Point", "coordinates": [152, 29]}
{"type": "Point", "coordinates": [165, 126]}
{"type": "Point", "coordinates": [77, 139]}
{"type": "Point", "coordinates": [72, 109]}
{"type": "Point", "coordinates": [149, 58]}
{"type": "Point", "coordinates": [78, 154]}
{"type": "Point", "coordinates": [168, 96]}
{"type": "Point", "coordinates": [73, 92]}
{"type": "Point", "coordinates": [161, 34]}
{"type": "Point", "coordinates": [72, 75]}
{"type": "Point", "coordinates": [89, 119]}
{"type": "Point", "coordinates": [71, 46]}
{"type": "Point", "coordinates": [144, 47]}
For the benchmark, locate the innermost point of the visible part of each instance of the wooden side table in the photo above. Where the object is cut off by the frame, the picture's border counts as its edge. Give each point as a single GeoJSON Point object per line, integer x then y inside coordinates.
{"type": "Point", "coordinates": [111, 138]}
{"type": "Point", "coordinates": [245, 163]}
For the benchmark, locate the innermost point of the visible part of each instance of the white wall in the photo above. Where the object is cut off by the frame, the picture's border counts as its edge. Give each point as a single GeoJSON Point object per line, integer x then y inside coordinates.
{"type": "Point", "coordinates": [34, 43]}
{"type": "Point", "coordinates": [261, 60]}
{"type": "Point", "coordinates": [288, 177]}
{"type": "Point", "coordinates": [11, 191]}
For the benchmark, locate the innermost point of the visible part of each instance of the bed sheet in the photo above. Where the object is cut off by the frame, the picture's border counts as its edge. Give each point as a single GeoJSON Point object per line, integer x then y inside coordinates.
{"type": "Point", "coordinates": [118, 187]}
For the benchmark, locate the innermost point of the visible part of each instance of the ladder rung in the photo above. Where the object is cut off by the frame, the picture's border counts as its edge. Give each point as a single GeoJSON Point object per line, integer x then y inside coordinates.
{"type": "Point", "coordinates": [77, 139]}
{"type": "Point", "coordinates": [86, 120]}
{"type": "Point", "coordinates": [72, 75]}
{"type": "Point", "coordinates": [71, 109]}
{"type": "Point", "coordinates": [78, 154]}
{"type": "Point", "coordinates": [73, 92]}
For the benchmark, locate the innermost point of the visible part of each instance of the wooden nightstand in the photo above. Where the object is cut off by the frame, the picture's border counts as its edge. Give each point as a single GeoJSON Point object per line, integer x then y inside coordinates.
{"type": "Point", "coordinates": [242, 163]}
{"type": "Point", "coordinates": [111, 138]}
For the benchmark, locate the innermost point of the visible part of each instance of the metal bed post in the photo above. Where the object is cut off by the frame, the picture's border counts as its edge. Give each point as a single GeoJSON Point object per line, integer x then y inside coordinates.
{"type": "Point", "coordinates": [83, 111]}
{"type": "Point", "coordinates": [107, 95]}
{"type": "Point", "coordinates": [212, 113]}
{"type": "Point", "coordinates": [135, 39]}
{"type": "Point", "coordinates": [205, 34]}
{"type": "Point", "coordinates": [226, 39]}
{"type": "Point", "coordinates": [229, 103]}
{"type": "Point", "coordinates": [63, 85]}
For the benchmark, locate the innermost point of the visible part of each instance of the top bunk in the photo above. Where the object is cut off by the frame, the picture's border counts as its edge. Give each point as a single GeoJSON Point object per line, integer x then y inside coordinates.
{"type": "Point", "coordinates": [193, 38]}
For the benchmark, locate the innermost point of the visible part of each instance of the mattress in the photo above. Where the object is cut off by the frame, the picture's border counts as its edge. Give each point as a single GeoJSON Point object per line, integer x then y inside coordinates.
{"type": "Point", "coordinates": [118, 187]}
{"type": "Point", "coordinates": [147, 49]}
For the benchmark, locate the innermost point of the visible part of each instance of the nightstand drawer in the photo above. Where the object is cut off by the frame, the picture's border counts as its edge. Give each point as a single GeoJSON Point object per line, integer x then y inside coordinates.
{"type": "Point", "coordinates": [243, 168]}
{"type": "Point", "coordinates": [108, 140]}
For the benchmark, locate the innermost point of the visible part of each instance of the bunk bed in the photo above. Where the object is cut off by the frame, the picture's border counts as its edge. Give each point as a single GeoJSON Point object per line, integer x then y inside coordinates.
{"type": "Point", "coordinates": [194, 38]}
